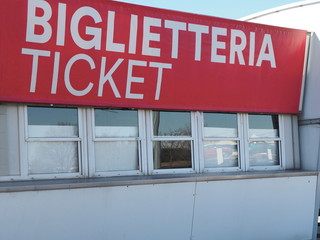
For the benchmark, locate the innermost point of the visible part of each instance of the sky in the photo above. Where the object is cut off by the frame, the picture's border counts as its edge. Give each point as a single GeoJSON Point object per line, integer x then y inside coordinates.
{"type": "Point", "coordinates": [233, 9]}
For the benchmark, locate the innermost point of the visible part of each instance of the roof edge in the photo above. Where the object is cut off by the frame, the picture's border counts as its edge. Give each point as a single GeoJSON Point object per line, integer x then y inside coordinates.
{"type": "Point", "coordinates": [279, 9]}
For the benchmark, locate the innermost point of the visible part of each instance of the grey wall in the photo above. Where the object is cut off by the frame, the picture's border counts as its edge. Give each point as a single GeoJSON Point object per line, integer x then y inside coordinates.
{"type": "Point", "coordinates": [250, 209]}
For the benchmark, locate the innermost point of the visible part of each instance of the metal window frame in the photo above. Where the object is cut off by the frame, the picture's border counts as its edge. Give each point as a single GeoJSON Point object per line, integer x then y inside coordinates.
{"type": "Point", "coordinates": [92, 139]}
{"type": "Point", "coordinates": [151, 138]}
{"type": "Point", "coordinates": [202, 139]}
{"type": "Point", "coordinates": [86, 139]}
{"type": "Point", "coordinates": [24, 139]}
{"type": "Point", "coordinates": [279, 140]}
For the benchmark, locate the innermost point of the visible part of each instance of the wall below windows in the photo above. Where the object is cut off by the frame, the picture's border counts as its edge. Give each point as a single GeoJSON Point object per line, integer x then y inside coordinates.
{"type": "Point", "coordinates": [263, 208]}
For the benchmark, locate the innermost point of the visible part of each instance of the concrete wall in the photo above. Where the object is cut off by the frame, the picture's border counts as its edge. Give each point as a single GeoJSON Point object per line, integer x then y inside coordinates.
{"type": "Point", "coordinates": [250, 209]}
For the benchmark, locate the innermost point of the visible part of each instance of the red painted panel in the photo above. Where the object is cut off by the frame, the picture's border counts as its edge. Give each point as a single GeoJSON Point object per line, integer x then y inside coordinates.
{"type": "Point", "coordinates": [107, 53]}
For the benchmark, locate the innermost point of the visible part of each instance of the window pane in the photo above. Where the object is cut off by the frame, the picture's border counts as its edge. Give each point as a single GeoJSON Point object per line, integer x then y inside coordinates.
{"type": "Point", "coordinates": [116, 156]}
{"type": "Point", "coordinates": [9, 142]}
{"type": "Point", "coordinates": [220, 154]}
{"type": "Point", "coordinates": [263, 126]}
{"type": "Point", "coordinates": [116, 123]}
{"type": "Point", "coordinates": [172, 154]}
{"type": "Point", "coordinates": [264, 153]}
{"type": "Point", "coordinates": [220, 125]}
{"type": "Point", "coordinates": [52, 122]}
{"type": "Point", "coordinates": [171, 123]}
{"type": "Point", "coordinates": [53, 157]}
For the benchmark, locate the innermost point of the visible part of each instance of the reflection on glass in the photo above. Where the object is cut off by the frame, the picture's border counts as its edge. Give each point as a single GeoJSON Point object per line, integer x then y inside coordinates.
{"type": "Point", "coordinates": [220, 154]}
{"type": "Point", "coordinates": [172, 154]}
{"type": "Point", "coordinates": [116, 123]}
{"type": "Point", "coordinates": [52, 122]}
{"type": "Point", "coordinates": [264, 153]}
{"type": "Point", "coordinates": [263, 126]}
{"type": "Point", "coordinates": [116, 156]}
{"type": "Point", "coordinates": [171, 123]}
{"type": "Point", "coordinates": [53, 157]}
{"type": "Point", "coordinates": [220, 125]}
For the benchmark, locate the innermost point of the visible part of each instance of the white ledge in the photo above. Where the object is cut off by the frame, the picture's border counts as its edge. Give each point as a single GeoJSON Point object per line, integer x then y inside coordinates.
{"type": "Point", "coordinates": [41, 185]}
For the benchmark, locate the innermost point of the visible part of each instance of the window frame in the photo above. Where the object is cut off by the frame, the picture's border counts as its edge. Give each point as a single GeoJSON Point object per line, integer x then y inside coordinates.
{"type": "Point", "coordinates": [151, 138]}
{"type": "Point", "coordinates": [91, 145]}
{"type": "Point", "coordinates": [238, 139]}
{"type": "Point", "coordinates": [23, 118]}
{"type": "Point", "coordinates": [85, 140]}
{"type": "Point", "coordinates": [279, 140]}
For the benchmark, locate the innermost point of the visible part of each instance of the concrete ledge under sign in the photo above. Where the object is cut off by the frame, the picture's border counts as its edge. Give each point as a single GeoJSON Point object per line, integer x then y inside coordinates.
{"type": "Point", "coordinates": [56, 184]}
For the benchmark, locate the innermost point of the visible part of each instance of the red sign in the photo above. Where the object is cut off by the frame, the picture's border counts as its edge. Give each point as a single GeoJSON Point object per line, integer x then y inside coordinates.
{"type": "Point", "coordinates": [106, 53]}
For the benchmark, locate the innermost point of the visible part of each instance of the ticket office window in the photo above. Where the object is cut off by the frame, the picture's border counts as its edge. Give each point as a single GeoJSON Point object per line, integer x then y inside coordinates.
{"type": "Point", "coordinates": [171, 142]}
{"type": "Point", "coordinates": [53, 141]}
{"type": "Point", "coordinates": [221, 141]}
{"type": "Point", "coordinates": [241, 142]}
{"type": "Point", "coordinates": [56, 141]}
{"type": "Point", "coordinates": [264, 141]}
{"type": "Point", "coordinates": [116, 148]}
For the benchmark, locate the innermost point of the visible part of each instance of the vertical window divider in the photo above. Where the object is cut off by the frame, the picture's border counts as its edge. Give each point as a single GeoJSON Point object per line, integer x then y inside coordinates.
{"type": "Point", "coordinates": [149, 142]}
{"type": "Point", "coordinates": [82, 143]}
{"type": "Point", "coordinates": [142, 141]}
{"type": "Point", "coordinates": [244, 141]}
{"type": "Point", "coordinates": [79, 143]}
{"type": "Point", "coordinates": [281, 142]}
{"type": "Point", "coordinates": [199, 142]}
{"type": "Point", "coordinates": [194, 145]}
{"type": "Point", "coordinates": [90, 141]}
{"type": "Point", "coordinates": [23, 123]}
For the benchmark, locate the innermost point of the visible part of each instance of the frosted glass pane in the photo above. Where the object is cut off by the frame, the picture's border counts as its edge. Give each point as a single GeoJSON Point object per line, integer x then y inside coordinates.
{"type": "Point", "coordinates": [53, 157]}
{"type": "Point", "coordinates": [116, 131]}
{"type": "Point", "coordinates": [220, 132]}
{"type": "Point", "coordinates": [52, 131]}
{"type": "Point", "coordinates": [220, 125]}
{"type": "Point", "coordinates": [264, 153]}
{"type": "Point", "coordinates": [52, 122]}
{"type": "Point", "coordinates": [263, 126]}
{"type": "Point", "coordinates": [116, 156]}
{"type": "Point", "coordinates": [9, 142]}
{"type": "Point", "coordinates": [220, 154]}
{"type": "Point", "coordinates": [116, 123]}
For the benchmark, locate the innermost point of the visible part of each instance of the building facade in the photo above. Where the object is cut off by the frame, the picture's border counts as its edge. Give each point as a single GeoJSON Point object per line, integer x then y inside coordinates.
{"type": "Point", "coordinates": [121, 121]}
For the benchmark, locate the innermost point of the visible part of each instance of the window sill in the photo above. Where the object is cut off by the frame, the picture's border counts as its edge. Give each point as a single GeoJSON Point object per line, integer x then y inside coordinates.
{"type": "Point", "coordinates": [41, 185]}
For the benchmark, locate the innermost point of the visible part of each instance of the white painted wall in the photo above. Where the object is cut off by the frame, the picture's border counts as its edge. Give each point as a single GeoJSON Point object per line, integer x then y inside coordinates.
{"type": "Point", "coordinates": [251, 209]}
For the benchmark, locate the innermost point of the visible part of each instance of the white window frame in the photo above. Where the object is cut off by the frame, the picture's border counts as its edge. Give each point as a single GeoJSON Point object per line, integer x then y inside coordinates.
{"type": "Point", "coordinates": [92, 139]}
{"type": "Point", "coordinates": [151, 138]}
{"type": "Point", "coordinates": [279, 140]}
{"type": "Point", "coordinates": [202, 139]}
{"type": "Point", "coordinates": [23, 118]}
{"type": "Point", "coordinates": [86, 140]}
